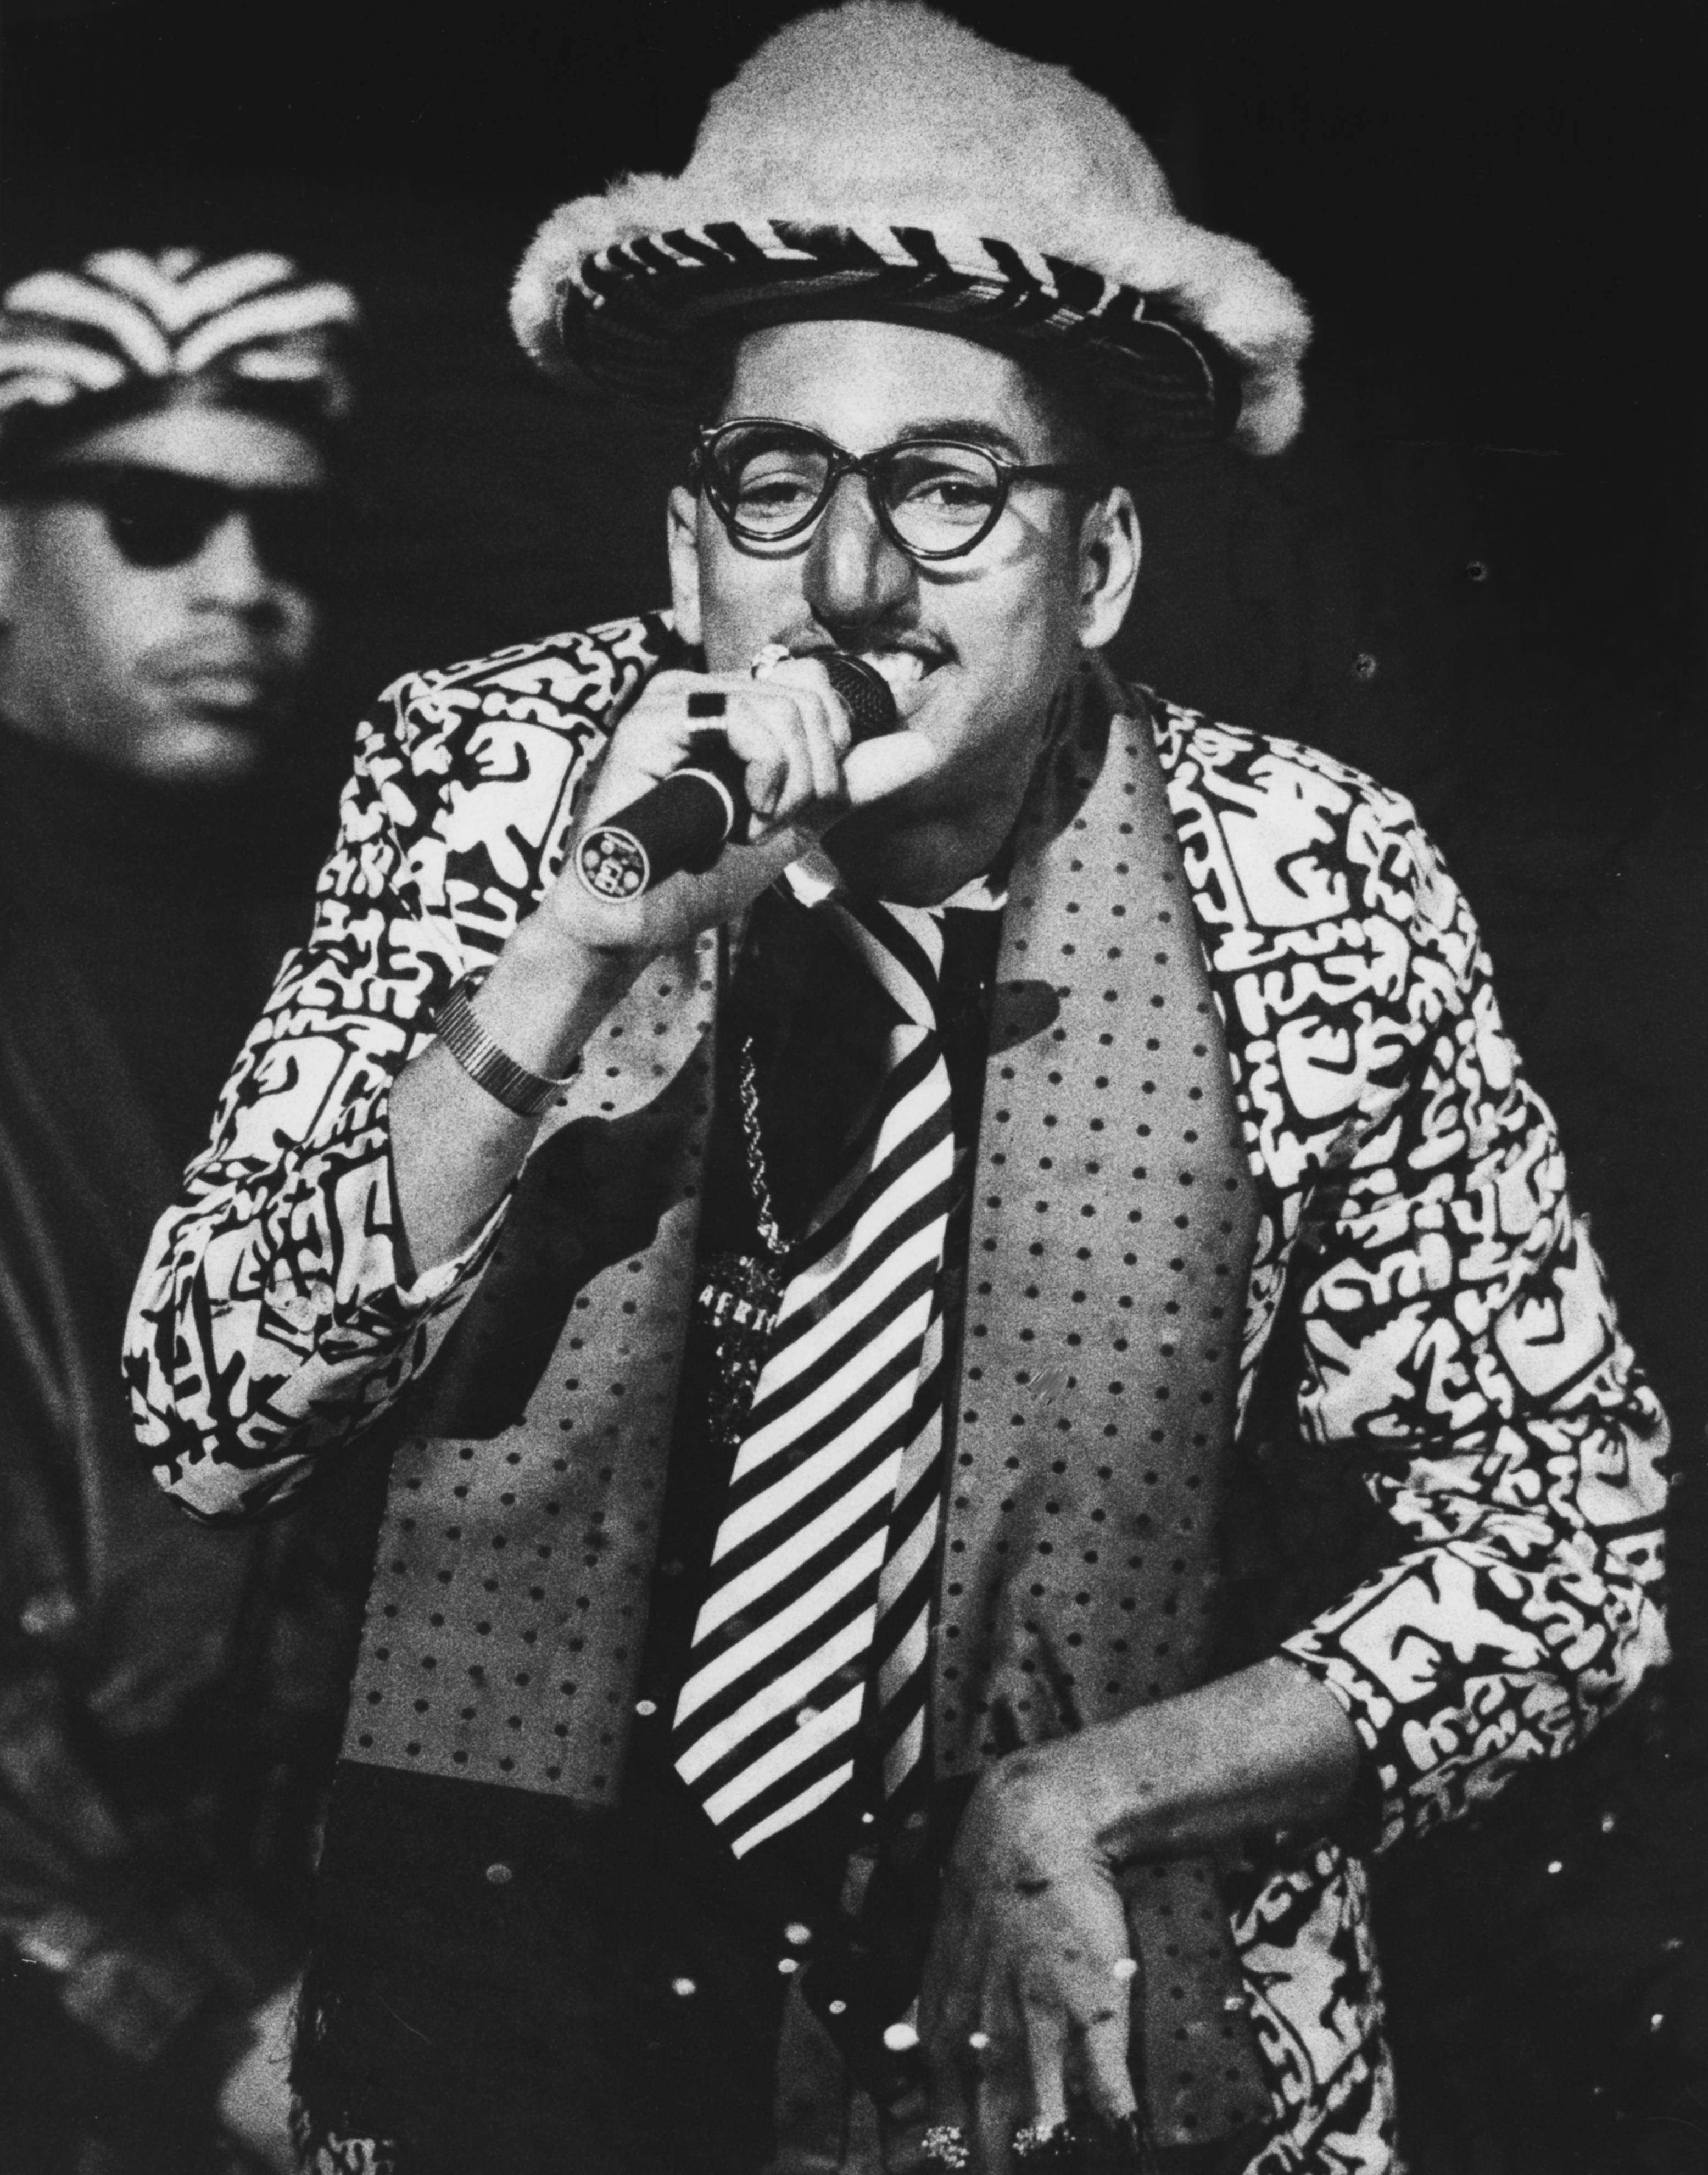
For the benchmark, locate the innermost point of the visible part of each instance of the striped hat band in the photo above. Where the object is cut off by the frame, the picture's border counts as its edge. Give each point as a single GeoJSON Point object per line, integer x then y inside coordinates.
{"type": "Point", "coordinates": [637, 316]}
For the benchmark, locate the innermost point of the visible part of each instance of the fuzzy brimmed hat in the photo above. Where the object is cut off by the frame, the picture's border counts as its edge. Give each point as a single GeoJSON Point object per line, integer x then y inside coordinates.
{"type": "Point", "coordinates": [879, 159]}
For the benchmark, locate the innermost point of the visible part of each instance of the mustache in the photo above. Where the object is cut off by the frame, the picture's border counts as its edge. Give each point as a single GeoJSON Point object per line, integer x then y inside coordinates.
{"type": "Point", "coordinates": [248, 653]}
{"type": "Point", "coordinates": [802, 639]}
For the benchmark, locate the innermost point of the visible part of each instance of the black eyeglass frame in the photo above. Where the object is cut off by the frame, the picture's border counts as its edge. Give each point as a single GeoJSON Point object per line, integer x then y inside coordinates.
{"type": "Point", "coordinates": [103, 485]}
{"type": "Point", "coordinates": [1065, 473]}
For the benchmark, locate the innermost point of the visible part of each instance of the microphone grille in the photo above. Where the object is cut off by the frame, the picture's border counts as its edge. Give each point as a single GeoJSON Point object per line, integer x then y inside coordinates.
{"type": "Point", "coordinates": [864, 692]}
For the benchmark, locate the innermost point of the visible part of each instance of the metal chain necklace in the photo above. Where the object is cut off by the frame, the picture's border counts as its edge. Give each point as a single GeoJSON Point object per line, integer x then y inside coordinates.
{"type": "Point", "coordinates": [740, 1292]}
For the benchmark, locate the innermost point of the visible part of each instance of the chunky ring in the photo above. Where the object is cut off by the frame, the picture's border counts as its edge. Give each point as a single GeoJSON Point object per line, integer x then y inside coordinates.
{"type": "Point", "coordinates": [947, 2146]}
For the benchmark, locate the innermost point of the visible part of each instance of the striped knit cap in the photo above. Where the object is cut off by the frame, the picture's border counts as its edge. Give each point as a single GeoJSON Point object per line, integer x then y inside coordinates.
{"type": "Point", "coordinates": [123, 331]}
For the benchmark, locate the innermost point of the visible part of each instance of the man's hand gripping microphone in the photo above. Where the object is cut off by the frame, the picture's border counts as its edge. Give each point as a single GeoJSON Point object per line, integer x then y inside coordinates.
{"type": "Point", "coordinates": [685, 821]}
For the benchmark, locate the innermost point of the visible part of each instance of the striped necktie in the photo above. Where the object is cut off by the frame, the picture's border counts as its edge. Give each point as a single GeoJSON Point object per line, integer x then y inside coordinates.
{"type": "Point", "coordinates": [818, 1604]}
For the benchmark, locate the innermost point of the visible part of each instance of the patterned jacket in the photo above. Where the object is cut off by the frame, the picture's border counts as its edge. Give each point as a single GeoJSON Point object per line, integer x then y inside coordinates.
{"type": "Point", "coordinates": [1457, 1347]}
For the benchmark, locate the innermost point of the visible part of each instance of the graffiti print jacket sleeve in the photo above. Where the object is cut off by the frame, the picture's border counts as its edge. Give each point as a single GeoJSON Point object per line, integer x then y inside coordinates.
{"type": "Point", "coordinates": [1459, 1345]}
{"type": "Point", "coordinates": [269, 1324]}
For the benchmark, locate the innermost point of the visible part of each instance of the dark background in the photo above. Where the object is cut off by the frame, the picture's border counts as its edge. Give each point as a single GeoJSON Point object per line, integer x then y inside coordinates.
{"type": "Point", "coordinates": [1479, 576]}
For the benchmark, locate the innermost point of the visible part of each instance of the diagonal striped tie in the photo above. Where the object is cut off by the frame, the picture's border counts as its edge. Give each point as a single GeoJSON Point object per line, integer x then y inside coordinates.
{"type": "Point", "coordinates": [820, 1574]}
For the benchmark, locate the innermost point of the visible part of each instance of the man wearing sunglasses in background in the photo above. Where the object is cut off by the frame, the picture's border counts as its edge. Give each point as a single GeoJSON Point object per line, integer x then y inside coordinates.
{"type": "Point", "coordinates": [169, 429]}
{"type": "Point", "coordinates": [812, 1296]}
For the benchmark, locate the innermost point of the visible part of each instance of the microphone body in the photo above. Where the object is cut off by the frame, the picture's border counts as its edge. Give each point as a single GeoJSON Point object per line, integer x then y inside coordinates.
{"type": "Point", "coordinates": [685, 821]}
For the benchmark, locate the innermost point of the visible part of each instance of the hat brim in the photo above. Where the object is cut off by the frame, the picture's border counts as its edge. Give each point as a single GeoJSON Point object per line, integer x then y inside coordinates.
{"type": "Point", "coordinates": [638, 319]}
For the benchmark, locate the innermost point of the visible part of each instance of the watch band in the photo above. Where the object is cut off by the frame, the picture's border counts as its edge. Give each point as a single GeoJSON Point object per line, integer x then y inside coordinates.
{"type": "Point", "coordinates": [525, 1093]}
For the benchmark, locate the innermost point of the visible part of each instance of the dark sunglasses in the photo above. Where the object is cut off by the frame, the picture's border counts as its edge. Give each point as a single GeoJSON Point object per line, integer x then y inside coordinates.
{"type": "Point", "coordinates": [159, 518]}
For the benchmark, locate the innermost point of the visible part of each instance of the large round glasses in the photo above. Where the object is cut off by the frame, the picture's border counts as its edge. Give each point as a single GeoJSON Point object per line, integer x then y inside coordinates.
{"type": "Point", "coordinates": [934, 498]}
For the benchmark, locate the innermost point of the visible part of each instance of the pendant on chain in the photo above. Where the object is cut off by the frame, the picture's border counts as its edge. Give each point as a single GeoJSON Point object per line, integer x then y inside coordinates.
{"type": "Point", "coordinates": [741, 1293]}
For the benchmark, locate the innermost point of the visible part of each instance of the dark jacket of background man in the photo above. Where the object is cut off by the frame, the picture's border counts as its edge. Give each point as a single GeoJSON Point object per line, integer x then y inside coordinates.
{"type": "Point", "coordinates": [165, 1692]}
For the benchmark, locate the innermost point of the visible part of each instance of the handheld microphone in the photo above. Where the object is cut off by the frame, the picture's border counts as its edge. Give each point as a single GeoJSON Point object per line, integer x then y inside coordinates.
{"type": "Point", "coordinates": [685, 821]}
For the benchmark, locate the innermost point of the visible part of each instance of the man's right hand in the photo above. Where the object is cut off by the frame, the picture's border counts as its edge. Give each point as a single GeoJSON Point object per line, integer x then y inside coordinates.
{"type": "Point", "coordinates": [792, 732]}
{"type": "Point", "coordinates": [454, 1149]}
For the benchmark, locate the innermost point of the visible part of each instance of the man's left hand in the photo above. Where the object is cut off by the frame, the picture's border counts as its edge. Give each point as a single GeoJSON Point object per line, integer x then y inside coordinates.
{"type": "Point", "coordinates": [1027, 1988]}
{"type": "Point", "coordinates": [1029, 1984]}
{"type": "Point", "coordinates": [255, 2098]}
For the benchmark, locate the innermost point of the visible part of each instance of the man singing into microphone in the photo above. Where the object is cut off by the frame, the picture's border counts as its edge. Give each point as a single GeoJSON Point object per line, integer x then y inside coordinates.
{"type": "Point", "coordinates": [814, 1299]}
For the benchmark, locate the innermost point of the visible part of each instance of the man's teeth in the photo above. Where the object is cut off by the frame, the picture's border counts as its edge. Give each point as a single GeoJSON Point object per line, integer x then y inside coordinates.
{"type": "Point", "coordinates": [900, 668]}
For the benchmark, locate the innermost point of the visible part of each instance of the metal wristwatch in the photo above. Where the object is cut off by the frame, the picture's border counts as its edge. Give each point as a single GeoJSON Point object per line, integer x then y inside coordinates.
{"type": "Point", "coordinates": [527, 1094]}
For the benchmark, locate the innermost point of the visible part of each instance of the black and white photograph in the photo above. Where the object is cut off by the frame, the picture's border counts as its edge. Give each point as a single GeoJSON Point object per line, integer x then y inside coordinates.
{"type": "Point", "coordinates": [853, 1002]}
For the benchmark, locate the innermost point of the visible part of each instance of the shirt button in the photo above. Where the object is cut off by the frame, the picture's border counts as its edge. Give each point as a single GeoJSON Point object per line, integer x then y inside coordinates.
{"type": "Point", "coordinates": [500, 1875]}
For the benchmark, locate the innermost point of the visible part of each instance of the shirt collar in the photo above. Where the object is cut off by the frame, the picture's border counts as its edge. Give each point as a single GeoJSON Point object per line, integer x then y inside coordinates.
{"type": "Point", "coordinates": [815, 877]}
